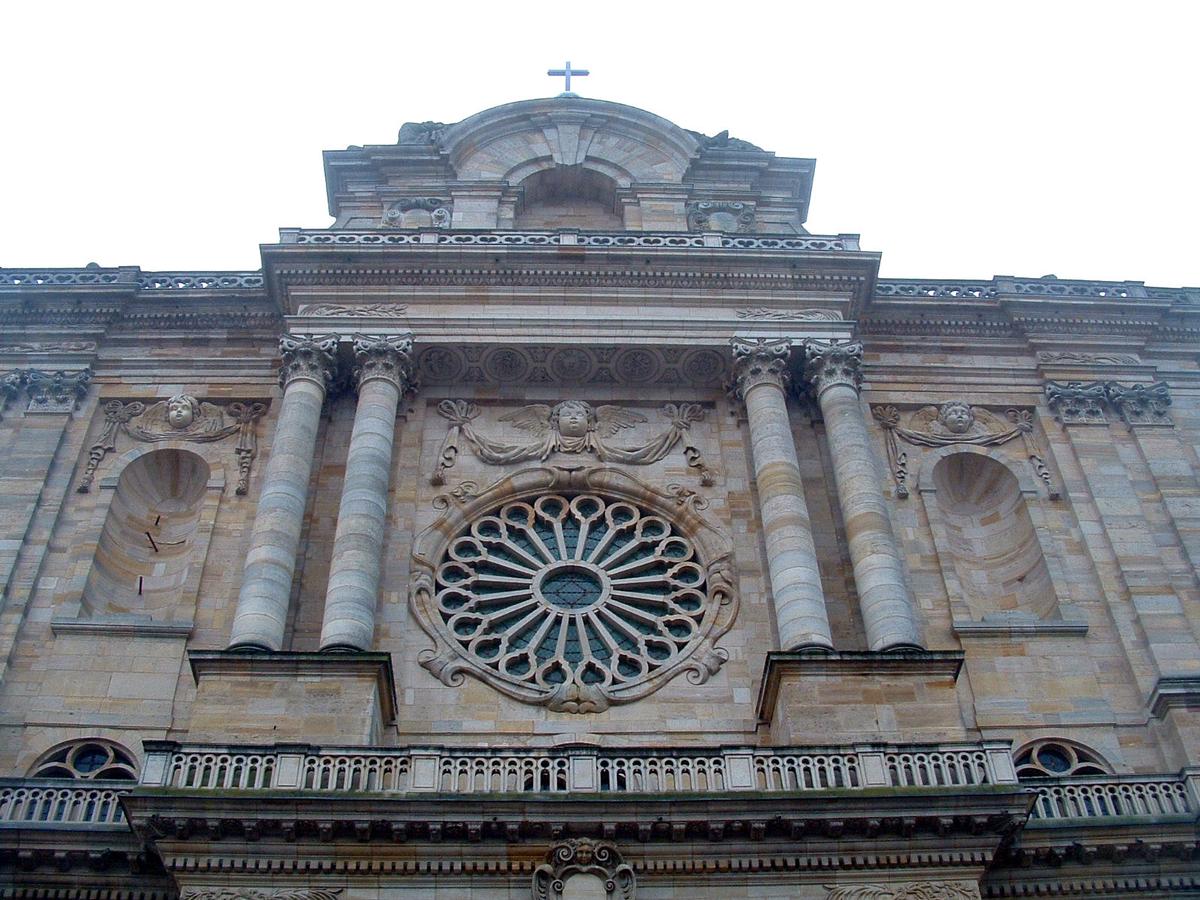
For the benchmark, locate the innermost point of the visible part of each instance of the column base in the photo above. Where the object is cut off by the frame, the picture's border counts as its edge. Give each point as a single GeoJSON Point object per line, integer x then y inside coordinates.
{"type": "Point", "coordinates": [906, 696]}
{"type": "Point", "coordinates": [258, 697]}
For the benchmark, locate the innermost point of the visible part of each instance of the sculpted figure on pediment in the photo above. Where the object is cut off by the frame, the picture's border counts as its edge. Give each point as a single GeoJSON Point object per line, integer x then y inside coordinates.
{"type": "Point", "coordinates": [571, 426]}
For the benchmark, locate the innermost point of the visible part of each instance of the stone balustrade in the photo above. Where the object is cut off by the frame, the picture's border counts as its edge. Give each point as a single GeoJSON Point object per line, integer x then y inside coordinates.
{"type": "Point", "coordinates": [41, 802]}
{"type": "Point", "coordinates": [608, 771]}
{"type": "Point", "coordinates": [1109, 796]}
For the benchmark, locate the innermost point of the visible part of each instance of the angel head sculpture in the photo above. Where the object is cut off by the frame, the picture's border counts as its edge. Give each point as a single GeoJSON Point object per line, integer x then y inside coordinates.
{"type": "Point", "coordinates": [572, 426]}
{"type": "Point", "coordinates": [573, 418]}
{"type": "Point", "coordinates": [956, 416]}
{"type": "Point", "coordinates": [182, 411]}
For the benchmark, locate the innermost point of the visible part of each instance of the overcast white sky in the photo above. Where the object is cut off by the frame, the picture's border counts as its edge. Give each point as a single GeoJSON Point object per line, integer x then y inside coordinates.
{"type": "Point", "coordinates": [961, 139]}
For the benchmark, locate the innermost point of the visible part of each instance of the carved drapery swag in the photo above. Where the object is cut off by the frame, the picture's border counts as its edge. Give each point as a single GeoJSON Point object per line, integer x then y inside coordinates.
{"type": "Point", "coordinates": [584, 856]}
{"type": "Point", "coordinates": [953, 423]}
{"type": "Point", "coordinates": [571, 426]}
{"type": "Point", "coordinates": [181, 418]}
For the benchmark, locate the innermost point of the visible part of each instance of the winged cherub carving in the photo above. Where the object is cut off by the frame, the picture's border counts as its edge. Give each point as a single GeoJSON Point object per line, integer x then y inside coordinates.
{"type": "Point", "coordinates": [571, 426]}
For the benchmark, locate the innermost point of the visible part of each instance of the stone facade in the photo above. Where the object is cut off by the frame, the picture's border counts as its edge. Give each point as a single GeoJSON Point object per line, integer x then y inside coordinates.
{"type": "Point", "coordinates": [567, 521]}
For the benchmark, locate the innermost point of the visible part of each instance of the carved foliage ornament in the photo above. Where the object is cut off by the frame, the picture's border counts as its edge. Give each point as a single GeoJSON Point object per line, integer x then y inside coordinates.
{"type": "Point", "coordinates": [180, 418]}
{"type": "Point", "coordinates": [308, 357]}
{"type": "Point", "coordinates": [573, 588]}
{"type": "Point", "coordinates": [380, 310]}
{"type": "Point", "coordinates": [571, 426]}
{"type": "Point", "coordinates": [1085, 403]}
{"type": "Point", "coordinates": [911, 890]}
{"type": "Point", "coordinates": [957, 422]}
{"type": "Point", "coordinates": [826, 365]}
{"type": "Point", "coordinates": [759, 360]}
{"type": "Point", "coordinates": [389, 358]}
{"type": "Point", "coordinates": [788, 315]}
{"type": "Point", "coordinates": [243, 893]}
{"type": "Point", "coordinates": [584, 856]}
{"type": "Point", "coordinates": [56, 392]}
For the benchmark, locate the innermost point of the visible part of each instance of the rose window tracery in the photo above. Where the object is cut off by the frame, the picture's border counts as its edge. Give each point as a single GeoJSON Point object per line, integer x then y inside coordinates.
{"type": "Point", "coordinates": [575, 601]}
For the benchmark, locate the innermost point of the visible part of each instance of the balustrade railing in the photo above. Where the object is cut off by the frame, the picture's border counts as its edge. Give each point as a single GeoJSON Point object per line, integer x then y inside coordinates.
{"type": "Point", "coordinates": [1106, 796]}
{"type": "Point", "coordinates": [612, 771]}
{"type": "Point", "coordinates": [39, 802]}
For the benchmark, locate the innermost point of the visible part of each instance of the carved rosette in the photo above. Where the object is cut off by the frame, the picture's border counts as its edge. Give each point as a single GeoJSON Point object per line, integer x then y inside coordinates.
{"type": "Point", "coordinates": [831, 364]}
{"type": "Point", "coordinates": [760, 361]}
{"type": "Point", "coordinates": [387, 357]}
{"type": "Point", "coordinates": [313, 358]}
{"type": "Point", "coordinates": [1077, 402]}
{"type": "Point", "coordinates": [56, 392]}
{"type": "Point", "coordinates": [584, 856]}
{"type": "Point", "coordinates": [1141, 404]}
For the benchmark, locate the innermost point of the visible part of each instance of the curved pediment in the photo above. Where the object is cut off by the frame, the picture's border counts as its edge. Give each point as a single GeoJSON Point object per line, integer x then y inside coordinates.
{"type": "Point", "coordinates": [511, 142]}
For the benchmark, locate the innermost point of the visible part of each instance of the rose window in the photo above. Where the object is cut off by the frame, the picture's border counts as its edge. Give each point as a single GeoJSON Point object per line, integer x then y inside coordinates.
{"type": "Point", "coordinates": [575, 601]}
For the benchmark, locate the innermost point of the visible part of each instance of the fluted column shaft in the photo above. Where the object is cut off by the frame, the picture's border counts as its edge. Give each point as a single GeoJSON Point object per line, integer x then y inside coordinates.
{"type": "Point", "coordinates": [888, 611]}
{"type": "Point", "coordinates": [761, 369]}
{"type": "Point", "coordinates": [384, 373]}
{"type": "Point", "coordinates": [261, 616]}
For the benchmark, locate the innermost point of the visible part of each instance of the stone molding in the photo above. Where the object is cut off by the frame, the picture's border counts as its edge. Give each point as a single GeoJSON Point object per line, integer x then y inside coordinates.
{"type": "Point", "coordinates": [760, 361]}
{"type": "Point", "coordinates": [583, 856]}
{"type": "Point", "coordinates": [833, 363]}
{"type": "Point", "coordinates": [385, 356]}
{"type": "Point", "coordinates": [1088, 402]}
{"type": "Point", "coordinates": [1174, 692]}
{"type": "Point", "coordinates": [313, 358]}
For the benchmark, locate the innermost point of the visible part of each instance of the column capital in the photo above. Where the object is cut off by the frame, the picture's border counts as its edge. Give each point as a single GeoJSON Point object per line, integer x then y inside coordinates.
{"type": "Point", "coordinates": [1077, 402]}
{"type": "Point", "coordinates": [760, 361]}
{"type": "Point", "coordinates": [1140, 404]}
{"type": "Point", "coordinates": [56, 391]}
{"type": "Point", "coordinates": [384, 356]}
{"type": "Point", "coordinates": [829, 364]}
{"type": "Point", "coordinates": [314, 358]}
{"type": "Point", "coordinates": [10, 386]}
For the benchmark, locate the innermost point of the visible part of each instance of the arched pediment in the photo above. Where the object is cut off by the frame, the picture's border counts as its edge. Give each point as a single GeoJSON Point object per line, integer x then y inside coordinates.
{"type": "Point", "coordinates": [510, 142]}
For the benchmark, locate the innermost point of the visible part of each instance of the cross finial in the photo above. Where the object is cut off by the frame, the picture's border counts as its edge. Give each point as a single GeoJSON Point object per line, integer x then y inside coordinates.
{"type": "Point", "coordinates": [567, 72]}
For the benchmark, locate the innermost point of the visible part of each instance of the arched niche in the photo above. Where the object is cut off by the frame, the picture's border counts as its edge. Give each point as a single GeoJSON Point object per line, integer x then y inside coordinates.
{"type": "Point", "coordinates": [568, 197]}
{"type": "Point", "coordinates": [152, 519]}
{"type": "Point", "coordinates": [1001, 569]}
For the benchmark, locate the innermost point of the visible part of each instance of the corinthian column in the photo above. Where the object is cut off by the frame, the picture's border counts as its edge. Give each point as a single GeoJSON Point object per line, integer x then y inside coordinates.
{"type": "Point", "coordinates": [308, 368]}
{"type": "Point", "coordinates": [384, 373]}
{"type": "Point", "coordinates": [887, 606]}
{"type": "Point", "coordinates": [761, 371]}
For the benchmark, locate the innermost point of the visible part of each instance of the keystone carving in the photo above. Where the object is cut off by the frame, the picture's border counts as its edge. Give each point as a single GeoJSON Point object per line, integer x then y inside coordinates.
{"type": "Point", "coordinates": [583, 856]}
{"type": "Point", "coordinates": [1141, 404]}
{"type": "Point", "coordinates": [308, 357]}
{"type": "Point", "coordinates": [958, 422]}
{"type": "Point", "coordinates": [180, 418]}
{"type": "Point", "coordinates": [760, 361]}
{"type": "Point", "coordinates": [829, 364]}
{"type": "Point", "coordinates": [571, 426]}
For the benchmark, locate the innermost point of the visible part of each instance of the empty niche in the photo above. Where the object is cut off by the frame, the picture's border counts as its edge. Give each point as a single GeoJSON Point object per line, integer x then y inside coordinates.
{"type": "Point", "coordinates": [569, 197]}
{"type": "Point", "coordinates": [994, 547]}
{"type": "Point", "coordinates": [145, 552]}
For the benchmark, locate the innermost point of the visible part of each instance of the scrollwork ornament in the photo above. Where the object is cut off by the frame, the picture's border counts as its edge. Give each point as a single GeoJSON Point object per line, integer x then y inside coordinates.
{"type": "Point", "coordinates": [56, 392]}
{"type": "Point", "coordinates": [888, 418]}
{"type": "Point", "coordinates": [313, 358]}
{"type": "Point", "coordinates": [583, 856]}
{"type": "Point", "coordinates": [387, 357]}
{"type": "Point", "coordinates": [911, 890]}
{"type": "Point", "coordinates": [1141, 404]}
{"type": "Point", "coordinates": [833, 363]}
{"type": "Point", "coordinates": [262, 894]}
{"type": "Point", "coordinates": [760, 361]}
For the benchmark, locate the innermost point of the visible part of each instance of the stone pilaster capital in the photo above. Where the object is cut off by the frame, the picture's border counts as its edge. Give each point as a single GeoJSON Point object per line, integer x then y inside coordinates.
{"type": "Point", "coordinates": [1077, 402]}
{"type": "Point", "coordinates": [760, 361]}
{"type": "Point", "coordinates": [1140, 404]}
{"type": "Point", "coordinates": [56, 392]}
{"type": "Point", "coordinates": [314, 358]}
{"type": "Point", "coordinates": [10, 386]}
{"type": "Point", "coordinates": [384, 356]}
{"type": "Point", "coordinates": [830, 364]}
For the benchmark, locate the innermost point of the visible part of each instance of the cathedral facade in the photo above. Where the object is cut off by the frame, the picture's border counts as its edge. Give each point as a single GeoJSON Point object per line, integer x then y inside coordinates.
{"type": "Point", "coordinates": [567, 521]}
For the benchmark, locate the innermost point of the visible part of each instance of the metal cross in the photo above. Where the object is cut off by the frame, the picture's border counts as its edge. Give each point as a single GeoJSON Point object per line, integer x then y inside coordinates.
{"type": "Point", "coordinates": [567, 72]}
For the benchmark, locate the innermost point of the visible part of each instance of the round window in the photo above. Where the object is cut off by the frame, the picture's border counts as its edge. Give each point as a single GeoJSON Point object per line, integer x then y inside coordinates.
{"type": "Point", "coordinates": [578, 601]}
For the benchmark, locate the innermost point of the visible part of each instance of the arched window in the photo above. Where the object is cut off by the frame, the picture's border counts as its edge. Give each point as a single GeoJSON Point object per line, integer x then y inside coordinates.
{"type": "Point", "coordinates": [1056, 758]}
{"type": "Point", "coordinates": [569, 197]}
{"type": "Point", "coordinates": [91, 758]}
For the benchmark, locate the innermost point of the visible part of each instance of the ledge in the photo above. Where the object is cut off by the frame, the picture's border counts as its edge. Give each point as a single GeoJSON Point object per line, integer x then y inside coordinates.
{"type": "Point", "coordinates": [126, 626]}
{"type": "Point", "coordinates": [1003, 628]}
{"type": "Point", "coordinates": [1174, 692]}
{"type": "Point", "coordinates": [863, 663]}
{"type": "Point", "coordinates": [249, 664]}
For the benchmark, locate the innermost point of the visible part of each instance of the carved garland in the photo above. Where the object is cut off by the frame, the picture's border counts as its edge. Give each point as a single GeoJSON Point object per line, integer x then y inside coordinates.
{"type": "Point", "coordinates": [181, 418]}
{"type": "Point", "coordinates": [953, 423]}
{"type": "Point", "coordinates": [573, 588]}
{"type": "Point", "coordinates": [571, 426]}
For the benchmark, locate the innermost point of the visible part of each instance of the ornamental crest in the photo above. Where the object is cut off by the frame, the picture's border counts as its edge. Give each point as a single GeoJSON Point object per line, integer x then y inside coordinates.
{"type": "Point", "coordinates": [584, 857]}
{"type": "Point", "coordinates": [571, 426]}
{"type": "Point", "coordinates": [573, 588]}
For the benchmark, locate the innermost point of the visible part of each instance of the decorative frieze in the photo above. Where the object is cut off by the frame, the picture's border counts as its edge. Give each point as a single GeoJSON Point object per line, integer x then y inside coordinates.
{"type": "Point", "coordinates": [245, 893]}
{"type": "Point", "coordinates": [50, 347]}
{"type": "Point", "coordinates": [572, 426]}
{"type": "Point", "coordinates": [1073, 357]}
{"type": "Point", "coordinates": [615, 240]}
{"type": "Point", "coordinates": [183, 417]}
{"type": "Point", "coordinates": [957, 422]}
{"type": "Point", "coordinates": [56, 392]}
{"type": "Point", "coordinates": [788, 315]}
{"type": "Point", "coordinates": [906, 890]}
{"type": "Point", "coordinates": [829, 364]}
{"type": "Point", "coordinates": [380, 310]}
{"type": "Point", "coordinates": [1140, 404]}
{"type": "Point", "coordinates": [583, 856]}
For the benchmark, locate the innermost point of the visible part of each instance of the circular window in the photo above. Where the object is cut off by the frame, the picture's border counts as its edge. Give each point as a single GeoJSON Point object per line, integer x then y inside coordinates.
{"type": "Point", "coordinates": [578, 601]}
{"type": "Point", "coordinates": [87, 760]}
{"type": "Point", "coordinates": [1053, 758]}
